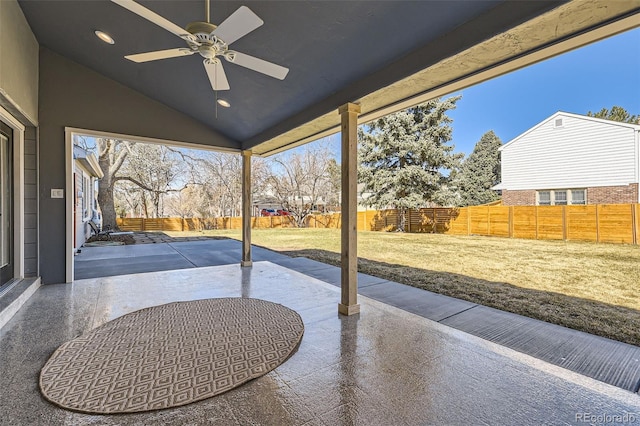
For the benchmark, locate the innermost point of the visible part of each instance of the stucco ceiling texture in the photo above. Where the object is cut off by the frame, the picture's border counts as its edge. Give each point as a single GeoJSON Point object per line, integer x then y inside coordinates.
{"type": "Point", "coordinates": [336, 51]}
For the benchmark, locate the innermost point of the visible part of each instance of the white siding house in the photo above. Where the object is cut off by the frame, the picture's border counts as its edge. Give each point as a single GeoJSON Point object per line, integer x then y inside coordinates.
{"type": "Point", "coordinates": [572, 159]}
{"type": "Point", "coordinates": [86, 172]}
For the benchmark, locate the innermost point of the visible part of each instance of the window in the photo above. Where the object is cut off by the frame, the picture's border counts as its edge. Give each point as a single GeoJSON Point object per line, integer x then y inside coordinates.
{"type": "Point", "coordinates": [544, 198]}
{"type": "Point", "coordinates": [578, 196]}
{"type": "Point", "coordinates": [562, 197]}
{"type": "Point", "coordinates": [86, 197]}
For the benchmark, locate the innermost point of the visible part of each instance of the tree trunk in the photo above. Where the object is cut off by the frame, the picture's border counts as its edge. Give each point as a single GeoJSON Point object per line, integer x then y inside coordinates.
{"type": "Point", "coordinates": [144, 205]}
{"type": "Point", "coordinates": [105, 185]}
{"type": "Point", "coordinates": [105, 200]}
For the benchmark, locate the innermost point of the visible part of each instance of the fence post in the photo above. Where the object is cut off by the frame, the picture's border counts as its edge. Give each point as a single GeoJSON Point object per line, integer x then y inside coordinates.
{"type": "Point", "coordinates": [636, 225]}
{"type": "Point", "coordinates": [597, 223]}
{"type": "Point", "coordinates": [565, 225]}
{"type": "Point", "coordinates": [536, 219]}
{"type": "Point", "coordinates": [511, 224]}
{"type": "Point", "coordinates": [633, 224]}
{"type": "Point", "coordinates": [468, 220]}
{"type": "Point", "coordinates": [635, 209]}
{"type": "Point", "coordinates": [488, 220]}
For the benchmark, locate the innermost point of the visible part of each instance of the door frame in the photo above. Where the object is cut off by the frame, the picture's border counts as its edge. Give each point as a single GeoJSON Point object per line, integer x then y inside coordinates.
{"type": "Point", "coordinates": [18, 191]}
{"type": "Point", "coordinates": [69, 132]}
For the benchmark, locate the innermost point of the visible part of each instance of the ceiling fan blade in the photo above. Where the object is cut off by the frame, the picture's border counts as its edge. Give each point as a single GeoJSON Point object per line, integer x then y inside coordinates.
{"type": "Point", "coordinates": [216, 74]}
{"type": "Point", "coordinates": [159, 54]}
{"type": "Point", "coordinates": [259, 65]}
{"type": "Point", "coordinates": [147, 14]}
{"type": "Point", "coordinates": [239, 24]}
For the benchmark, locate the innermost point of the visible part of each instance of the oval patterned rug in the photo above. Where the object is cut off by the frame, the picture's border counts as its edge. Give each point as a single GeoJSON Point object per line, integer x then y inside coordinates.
{"type": "Point", "coordinates": [170, 355]}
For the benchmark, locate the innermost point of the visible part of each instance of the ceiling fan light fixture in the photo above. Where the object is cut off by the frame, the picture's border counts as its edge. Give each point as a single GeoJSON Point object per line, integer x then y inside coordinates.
{"type": "Point", "coordinates": [223, 102]}
{"type": "Point", "coordinates": [104, 37]}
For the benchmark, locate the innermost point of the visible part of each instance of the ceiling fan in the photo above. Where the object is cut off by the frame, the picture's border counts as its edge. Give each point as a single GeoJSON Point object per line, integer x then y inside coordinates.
{"type": "Point", "coordinates": [210, 41]}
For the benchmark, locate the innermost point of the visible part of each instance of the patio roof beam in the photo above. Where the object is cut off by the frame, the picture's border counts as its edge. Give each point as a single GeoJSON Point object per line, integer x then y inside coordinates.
{"type": "Point", "coordinates": [246, 209]}
{"type": "Point", "coordinates": [349, 210]}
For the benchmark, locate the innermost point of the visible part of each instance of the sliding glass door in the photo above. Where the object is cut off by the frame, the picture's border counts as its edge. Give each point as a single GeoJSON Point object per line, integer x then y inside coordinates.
{"type": "Point", "coordinates": [6, 204]}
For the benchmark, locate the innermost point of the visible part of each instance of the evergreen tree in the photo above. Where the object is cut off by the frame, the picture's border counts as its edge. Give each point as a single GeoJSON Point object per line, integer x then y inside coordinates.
{"type": "Point", "coordinates": [615, 114]}
{"type": "Point", "coordinates": [404, 156]}
{"type": "Point", "coordinates": [480, 171]}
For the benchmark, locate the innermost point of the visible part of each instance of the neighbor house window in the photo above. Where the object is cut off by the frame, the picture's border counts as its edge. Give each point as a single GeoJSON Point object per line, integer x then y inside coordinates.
{"type": "Point", "coordinates": [578, 196]}
{"type": "Point", "coordinates": [562, 197]}
{"type": "Point", "coordinates": [544, 198]}
{"type": "Point", "coordinates": [86, 197]}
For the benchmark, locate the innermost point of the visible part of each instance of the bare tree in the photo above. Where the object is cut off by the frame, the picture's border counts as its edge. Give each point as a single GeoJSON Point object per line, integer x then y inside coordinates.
{"type": "Point", "coordinates": [158, 170]}
{"type": "Point", "coordinates": [153, 180]}
{"type": "Point", "coordinates": [302, 182]}
{"type": "Point", "coordinates": [184, 203]}
{"type": "Point", "coordinates": [220, 183]}
{"type": "Point", "coordinates": [144, 174]}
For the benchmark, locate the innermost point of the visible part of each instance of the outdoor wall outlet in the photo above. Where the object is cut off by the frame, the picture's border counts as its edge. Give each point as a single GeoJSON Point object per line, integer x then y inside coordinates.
{"type": "Point", "coordinates": [57, 193]}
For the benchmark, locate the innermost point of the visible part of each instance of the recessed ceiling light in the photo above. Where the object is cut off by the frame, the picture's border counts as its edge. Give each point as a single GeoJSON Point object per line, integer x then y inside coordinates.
{"type": "Point", "coordinates": [224, 103]}
{"type": "Point", "coordinates": [104, 37]}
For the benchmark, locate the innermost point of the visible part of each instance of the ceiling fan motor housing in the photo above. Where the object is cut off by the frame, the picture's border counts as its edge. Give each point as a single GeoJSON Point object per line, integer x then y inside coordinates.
{"type": "Point", "coordinates": [210, 45]}
{"type": "Point", "coordinates": [202, 31]}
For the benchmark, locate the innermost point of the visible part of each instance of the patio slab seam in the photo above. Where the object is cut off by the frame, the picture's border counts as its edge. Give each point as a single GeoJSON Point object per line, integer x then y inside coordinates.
{"type": "Point", "coordinates": [182, 255]}
{"type": "Point", "coordinates": [457, 313]}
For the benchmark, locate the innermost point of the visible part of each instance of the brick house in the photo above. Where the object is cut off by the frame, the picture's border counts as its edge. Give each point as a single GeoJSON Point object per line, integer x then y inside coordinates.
{"type": "Point", "coordinates": [572, 159]}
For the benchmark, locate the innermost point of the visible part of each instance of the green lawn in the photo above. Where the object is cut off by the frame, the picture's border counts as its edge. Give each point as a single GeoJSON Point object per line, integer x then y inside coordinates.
{"type": "Point", "coordinates": [586, 286]}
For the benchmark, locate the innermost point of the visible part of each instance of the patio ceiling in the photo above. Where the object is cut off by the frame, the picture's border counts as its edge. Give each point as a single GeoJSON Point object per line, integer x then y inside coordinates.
{"type": "Point", "coordinates": [381, 54]}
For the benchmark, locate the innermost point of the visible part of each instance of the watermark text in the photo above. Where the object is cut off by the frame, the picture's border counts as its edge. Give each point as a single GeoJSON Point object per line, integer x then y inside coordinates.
{"type": "Point", "coordinates": [599, 418]}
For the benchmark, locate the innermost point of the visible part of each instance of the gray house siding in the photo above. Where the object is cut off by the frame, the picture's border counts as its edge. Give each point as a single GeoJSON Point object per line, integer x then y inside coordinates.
{"type": "Point", "coordinates": [30, 202]}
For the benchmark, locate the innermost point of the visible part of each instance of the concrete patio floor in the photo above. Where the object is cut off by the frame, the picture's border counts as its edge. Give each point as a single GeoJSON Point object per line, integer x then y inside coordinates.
{"type": "Point", "coordinates": [385, 366]}
{"type": "Point", "coordinates": [603, 359]}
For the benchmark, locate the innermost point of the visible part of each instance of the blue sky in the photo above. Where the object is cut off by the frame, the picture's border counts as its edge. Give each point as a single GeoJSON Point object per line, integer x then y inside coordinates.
{"type": "Point", "coordinates": [599, 75]}
{"type": "Point", "coordinates": [596, 76]}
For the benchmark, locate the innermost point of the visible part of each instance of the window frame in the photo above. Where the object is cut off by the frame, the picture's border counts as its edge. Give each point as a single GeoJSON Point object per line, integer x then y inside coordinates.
{"type": "Point", "coordinates": [86, 197]}
{"type": "Point", "coordinates": [546, 202]}
{"type": "Point", "coordinates": [568, 201]}
{"type": "Point", "coordinates": [566, 197]}
{"type": "Point", "coordinates": [582, 202]}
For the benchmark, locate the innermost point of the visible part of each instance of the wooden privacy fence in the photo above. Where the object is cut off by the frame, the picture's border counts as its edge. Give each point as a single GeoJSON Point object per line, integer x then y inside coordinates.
{"type": "Point", "coordinates": [605, 223]}
{"type": "Point", "coordinates": [198, 224]}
